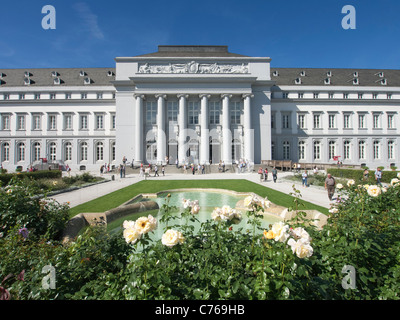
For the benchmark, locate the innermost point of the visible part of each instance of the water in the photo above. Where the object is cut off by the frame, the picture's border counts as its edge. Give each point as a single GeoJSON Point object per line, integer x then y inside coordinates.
{"type": "Point", "coordinates": [208, 201]}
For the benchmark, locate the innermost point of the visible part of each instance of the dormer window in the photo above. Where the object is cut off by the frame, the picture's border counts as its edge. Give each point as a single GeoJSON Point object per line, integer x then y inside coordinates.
{"type": "Point", "coordinates": [87, 80]}
{"type": "Point", "coordinates": [381, 74]}
{"type": "Point", "coordinates": [355, 74]}
{"type": "Point", "coordinates": [2, 75]}
{"type": "Point", "coordinates": [27, 74]}
{"type": "Point", "coordinates": [303, 73]}
{"type": "Point", "coordinates": [355, 81]}
{"type": "Point", "coordinates": [27, 81]}
{"type": "Point", "coordinates": [82, 73]}
{"type": "Point", "coordinates": [329, 74]}
{"type": "Point", "coordinates": [297, 81]}
{"type": "Point", "coordinates": [327, 81]}
{"type": "Point", "coordinates": [383, 82]}
{"type": "Point", "coordinates": [110, 73]}
{"type": "Point", "coordinates": [57, 81]}
{"type": "Point", "coordinates": [54, 74]}
{"type": "Point", "coordinates": [275, 73]}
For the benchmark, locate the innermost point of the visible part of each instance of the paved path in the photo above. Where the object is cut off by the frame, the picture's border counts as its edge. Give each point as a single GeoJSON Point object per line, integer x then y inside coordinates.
{"type": "Point", "coordinates": [316, 195]}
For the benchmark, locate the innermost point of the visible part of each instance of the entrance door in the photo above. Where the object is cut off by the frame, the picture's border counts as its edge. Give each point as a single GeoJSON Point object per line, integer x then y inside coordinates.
{"type": "Point", "coordinates": [215, 151]}
{"type": "Point", "coordinates": [151, 152]}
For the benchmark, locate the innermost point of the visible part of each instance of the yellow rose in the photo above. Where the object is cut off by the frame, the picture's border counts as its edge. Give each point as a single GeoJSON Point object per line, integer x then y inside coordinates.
{"type": "Point", "coordinates": [145, 224]}
{"type": "Point", "coordinates": [374, 191]}
{"type": "Point", "coordinates": [131, 235]}
{"type": "Point", "coordinates": [269, 234]}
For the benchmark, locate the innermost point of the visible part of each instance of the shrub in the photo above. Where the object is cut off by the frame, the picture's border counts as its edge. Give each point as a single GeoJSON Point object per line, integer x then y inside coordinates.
{"type": "Point", "coordinates": [50, 174]}
{"type": "Point", "coordinates": [357, 175]}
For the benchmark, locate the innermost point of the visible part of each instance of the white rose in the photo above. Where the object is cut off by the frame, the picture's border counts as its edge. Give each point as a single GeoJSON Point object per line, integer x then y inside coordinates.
{"type": "Point", "coordinates": [398, 175]}
{"type": "Point", "coordinates": [301, 233]}
{"type": "Point", "coordinates": [131, 235]}
{"type": "Point", "coordinates": [374, 191]}
{"type": "Point", "coordinates": [301, 247]}
{"type": "Point", "coordinates": [171, 238]}
{"type": "Point", "coordinates": [128, 224]}
{"type": "Point", "coordinates": [394, 181]}
{"type": "Point", "coordinates": [248, 201]}
{"type": "Point", "coordinates": [281, 231]}
{"type": "Point", "coordinates": [339, 186]}
{"type": "Point", "coordinates": [145, 224]}
{"type": "Point", "coordinates": [195, 209]}
{"type": "Point", "coordinates": [350, 182]}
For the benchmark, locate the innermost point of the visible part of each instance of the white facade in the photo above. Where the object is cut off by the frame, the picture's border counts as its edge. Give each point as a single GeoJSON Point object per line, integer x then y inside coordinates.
{"type": "Point", "coordinates": [198, 104]}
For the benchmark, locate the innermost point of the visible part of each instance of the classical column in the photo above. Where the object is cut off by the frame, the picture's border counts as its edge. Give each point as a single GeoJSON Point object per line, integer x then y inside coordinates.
{"type": "Point", "coordinates": [182, 122]}
{"type": "Point", "coordinates": [139, 129]}
{"type": "Point", "coordinates": [161, 136]}
{"type": "Point", "coordinates": [205, 143]}
{"type": "Point", "coordinates": [226, 130]}
{"type": "Point", "coordinates": [247, 129]}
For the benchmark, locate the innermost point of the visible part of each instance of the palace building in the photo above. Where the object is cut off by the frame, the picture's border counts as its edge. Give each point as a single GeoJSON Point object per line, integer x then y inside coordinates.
{"type": "Point", "coordinates": [202, 105]}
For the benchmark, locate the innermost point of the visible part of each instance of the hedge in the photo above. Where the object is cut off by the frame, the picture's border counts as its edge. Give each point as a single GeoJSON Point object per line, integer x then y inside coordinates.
{"type": "Point", "coordinates": [357, 175]}
{"type": "Point", "coordinates": [50, 174]}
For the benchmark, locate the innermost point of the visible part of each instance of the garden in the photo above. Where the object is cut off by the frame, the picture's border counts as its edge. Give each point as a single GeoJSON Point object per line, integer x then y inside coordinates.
{"type": "Point", "coordinates": [289, 260]}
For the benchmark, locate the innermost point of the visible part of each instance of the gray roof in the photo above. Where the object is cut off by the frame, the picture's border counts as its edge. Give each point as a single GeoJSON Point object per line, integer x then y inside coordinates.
{"type": "Point", "coordinates": [338, 77]}
{"type": "Point", "coordinates": [192, 51]}
{"type": "Point", "coordinates": [66, 76]}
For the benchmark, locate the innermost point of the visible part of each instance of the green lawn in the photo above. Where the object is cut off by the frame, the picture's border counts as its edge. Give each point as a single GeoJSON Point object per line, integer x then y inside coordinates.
{"type": "Point", "coordinates": [118, 197]}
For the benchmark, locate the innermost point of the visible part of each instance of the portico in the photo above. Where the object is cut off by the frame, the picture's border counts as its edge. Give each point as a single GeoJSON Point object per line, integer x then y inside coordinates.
{"type": "Point", "coordinates": [195, 104]}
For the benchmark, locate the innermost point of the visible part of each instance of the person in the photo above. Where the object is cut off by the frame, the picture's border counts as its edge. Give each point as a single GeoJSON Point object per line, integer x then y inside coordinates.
{"type": "Point", "coordinates": [124, 160]}
{"type": "Point", "coordinates": [365, 174]}
{"type": "Point", "coordinates": [184, 168]}
{"type": "Point", "coordinates": [304, 177]}
{"type": "Point", "coordinates": [220, 166]}
{"type": "Point", "coordinates": [274, 174]}
{"type": "Point", "coordinates": [203, 169]}
{"type": "Point", "coordinates": [141, 171]}
{"type": "Point", "coordinates": [163, 170]}
{"type": "Point", "coordinates": [121, 170]}
{"type": "Point", "coordinates": [265, 174]}
{"type": "Point", "coordinates": [261, 173]}
{"type": "Point", "coordinates": [330, 185]}
{"type": "Point", "coordinates": [176, 163]}
{"type": "Point", "coordinates": [378, 176]}
{"type": "Point", "coordinates": [193, 169]}
{"type": "Point", "coordinates": [223, 166]}
{"type": "Point", "coordinates": [156, 171]}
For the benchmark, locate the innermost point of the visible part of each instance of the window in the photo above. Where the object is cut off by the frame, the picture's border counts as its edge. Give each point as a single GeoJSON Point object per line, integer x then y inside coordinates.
{"type": "Point", "coordinates": [301, 121]}
{"type": "Point", "coordinates": [302, 150]}
{"type": "Point", "coordinates": [361, 121]}
{"type": "Point", "coordinates": [317, 150]}
{"type": "Point", "coordinates": [113, 151]}
{"type": "Point", "coordinates": [317, 118]}
{"type": "Point", "coordinates": [84, 122]}
{"type": "Point", "coordinates": [285, 95]}
{"type": "Point", "coordinates": [36, 151]}
{"type": "Point", "coordinates": [36, 125]}
{"type": "Point", "coordinates": [345, 95]}
{"type": "Point", "coordinates": [21, 96]}
{"type": "Point", "coordinates": [316, 95]}
{"type": "Point", "coordinates": [235, 111]}
{"type": "Point", "coordinates": [113, 121]}
{"type": "Point", "coordinates": [360, 96]}
{"type": "Point", "coordinates": [99, 95]}
{"type": "Point", "coordinates": [272, 121]}
{"type": "Point", "coordinates": [5, 152]}
{"type": "Point", "coordinates": [5, 122]}
{"type": "Point", "coordinates": [214, 112]}
{"type": "Point", "coordinates": [331, 95]}
{"type": "Point", "coordinates": [21, 151]}
{"type": "Point", "coordinates": [331, 150]}
{"type": "Point", "coordinates": [389, 96]}
{"type": "Point", "coordinates": [36, 96]}
{"type": "Point", "coordinates": [361, 149]}
{"type": "Point", "coordinates": [68, 122]}
{"type": "Point", "coordinates": [332, 122]}
{"type": "Point", "coordinates": [301, 95]}
{"type": "Point", "coordinates": [346, 150]}
{"type": "Point", "coordinates": [52, 96]}
{"type": "Point", "coordinates": [272, 150]}
{"type": "Point", "coordinates": [172, 110]}
{"type": "Point", "coordinates": [193, 112]}
{"type": "Point", "coordinates": [84, 151]}
{"type": "Point", "coordinates": [151, 113]}
{"type": "Point", "coordinates": [99, 151]}
{"type": "Point", "coordinates": [84, 95]}
{"type": "Point", "coordinates": [20, 122]}
{"type": "Point", "coordinates": [99, 121]}
{"type": "Point", "coordinates": [346, 121]}
{"type": "Point", "coordinates": [68, 151]}
{"type": "Point", "coordinates": [286, 150]}
{"type": "Point", "coordinates": [390, 121]}
{"type": "Point", "coordinates": [68, 95]}
{"type": "Point", "coordinates": [374, 96]}
{"type": "Point", "coordinates": [53, 151]}
{"type": "Point", "coordinates": [52, 122]}
{"type": "Point", "coordinates": [376, 118]}
{"type": "Point", "coordinates": [285, 121]}
{"type": "Point", "coordinates": [376, 150]}
{"type": "Point", "coordinates": [391, 149]}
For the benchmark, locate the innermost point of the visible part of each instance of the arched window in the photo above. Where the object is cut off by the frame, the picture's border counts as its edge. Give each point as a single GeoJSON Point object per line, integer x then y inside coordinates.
{"type": "Point", "coordinates": [5, 152]}
{"type": "Point", "coordinates": [99, 151]}
{"type": "Point", "coordinates": [302, 150]}
{"type": "Point", "coordinates": [332, 149]}
{"type": "Point", "coordinates": [346, 150]}
{"type": "Point", "coordinates": [53, 151]}
{"type": "Point", "coordinates": [391, 154]}
{"type": "Point", "coordinates": [317, 150]}
{"type": "Point", "coordinates": [84, 151]}
{"type": "Point", "coordinates": [21, 151]}
{"type": "Point", "coordinates": [361, 149]}
{"type": "Point", "coordinates": [377, 149]}
{"type": "Point", "coordinates": [36, 151]}
{"type": "Point", "coordinates": [68, 151]}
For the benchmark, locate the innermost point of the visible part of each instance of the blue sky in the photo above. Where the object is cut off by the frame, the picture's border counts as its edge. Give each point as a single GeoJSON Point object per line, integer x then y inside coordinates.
{"type": "Point", "coordinates": [306, 33]}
